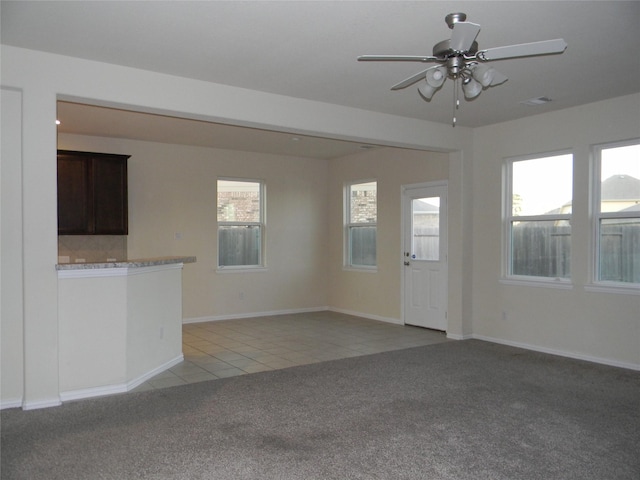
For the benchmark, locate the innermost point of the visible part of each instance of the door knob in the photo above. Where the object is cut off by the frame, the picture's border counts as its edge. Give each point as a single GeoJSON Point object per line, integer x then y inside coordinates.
{"type": "Point", "coordinates": [407, 264]}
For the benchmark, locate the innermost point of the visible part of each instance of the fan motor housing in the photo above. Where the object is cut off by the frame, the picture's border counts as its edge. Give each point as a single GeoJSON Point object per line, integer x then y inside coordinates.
{"type": "Point", "coordinates": [443, 49]}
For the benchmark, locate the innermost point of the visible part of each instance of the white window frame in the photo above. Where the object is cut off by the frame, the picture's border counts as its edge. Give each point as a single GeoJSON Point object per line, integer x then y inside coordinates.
{"type": "Point", "coordinates": [348, 225]}
{"type": "Point", "coordinates": [261, 224]}
{"type": "Point", "coordinates": [598, 285]}
{"type": "Point", "coordinates": [508, 218]}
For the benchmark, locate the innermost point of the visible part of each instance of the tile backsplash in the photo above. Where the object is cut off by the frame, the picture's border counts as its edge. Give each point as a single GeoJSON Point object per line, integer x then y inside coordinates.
{"type": "Point", "coordinates": [91, 248]}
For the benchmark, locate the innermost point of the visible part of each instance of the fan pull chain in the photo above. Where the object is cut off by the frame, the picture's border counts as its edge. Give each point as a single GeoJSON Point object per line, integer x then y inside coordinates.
{"type": "Point", "coordinates": [456, 102]}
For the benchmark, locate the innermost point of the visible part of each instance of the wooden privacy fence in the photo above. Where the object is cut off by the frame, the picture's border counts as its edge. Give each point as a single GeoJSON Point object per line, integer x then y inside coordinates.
{"type": "Point", "coordinates": [544, 250]}
{"type": "Point", "coordinates": [620, 253]}
{"type": "Point", "coordinates": [239, 246]}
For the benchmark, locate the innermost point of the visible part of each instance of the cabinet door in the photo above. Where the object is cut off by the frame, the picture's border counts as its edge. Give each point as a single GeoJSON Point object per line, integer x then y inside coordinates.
{"type": "Point", "coordinates": [110, 195]}
{"type": "Point", "coordinates": [74, 206]}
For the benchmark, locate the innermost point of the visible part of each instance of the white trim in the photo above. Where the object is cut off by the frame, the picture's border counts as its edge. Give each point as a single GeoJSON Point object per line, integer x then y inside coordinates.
{"type": "Point", "coordinates": [239, 316]}
{"type": "Point", "coordinates": [508, 218]}
{"type": "Point", "coordinates": [93, 392]}
{"type": "Point", "coordinates": [115, 272]}
{"type": "Point", "coordinates": [241, 269]}
{"type": "Point", "coordinates": [11, 403]}
{"type": "Point", "coordinates": [236, 316]}
{"type": "Point", "coordinates": [120, 387]}
{"type": "Point", "coordinates": [457, 336]}
{"type": "Point", "coordinates": [52, 402]}
{"type": "Point", "coordinates": [596, 217]}
{"type": "Point", "coordinates": [360, 268]}
{"type": "Point", "coordinates": [632, 289]}
{"type": "Point", "coordinates": [558, 283]}
{"type": "Point", "coordinates": [562, 353]}
{"type": "Point", "coordinates": [395, 321]}
{"type": "Point", "coordinates": [131, 384]}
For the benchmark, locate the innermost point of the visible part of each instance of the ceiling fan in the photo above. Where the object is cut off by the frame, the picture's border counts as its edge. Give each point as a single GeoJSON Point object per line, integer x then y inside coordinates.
{"type": "Point", "coordinates": [459, 59]}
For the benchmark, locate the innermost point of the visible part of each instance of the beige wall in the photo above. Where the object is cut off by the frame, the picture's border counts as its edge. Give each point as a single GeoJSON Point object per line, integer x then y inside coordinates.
{"type": "Point", "coordinates": [595, 325]}
{"type": "Point", "coordinates": [376, 295]}
{"type": "Point", "coordinates": [172, 191]}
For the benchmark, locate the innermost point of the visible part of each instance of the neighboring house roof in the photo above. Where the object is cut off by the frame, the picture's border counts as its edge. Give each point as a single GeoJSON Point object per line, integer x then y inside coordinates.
{"type": "Point", "coordinates": [632, 208]}
{"type": "Point", "coordinates": [620, 187]}
{"type": "Point", "coordinates": [423, 207]}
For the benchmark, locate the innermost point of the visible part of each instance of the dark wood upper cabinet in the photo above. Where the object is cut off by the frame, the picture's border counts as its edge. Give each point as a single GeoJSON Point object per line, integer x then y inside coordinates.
{"type": "Point", "coordinates": [92, 193]}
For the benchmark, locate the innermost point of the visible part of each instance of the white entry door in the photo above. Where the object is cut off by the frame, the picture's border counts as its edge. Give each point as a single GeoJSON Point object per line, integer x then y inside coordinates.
{"type": "Point", "coordinates": [425, 255]}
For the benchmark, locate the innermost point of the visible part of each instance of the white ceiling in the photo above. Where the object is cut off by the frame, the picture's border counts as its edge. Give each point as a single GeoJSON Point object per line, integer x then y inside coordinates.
{"type": "Point", "coordinates": [308, 49]}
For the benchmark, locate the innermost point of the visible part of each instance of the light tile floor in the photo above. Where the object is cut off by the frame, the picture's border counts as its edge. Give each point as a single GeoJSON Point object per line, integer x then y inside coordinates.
{"type": "Point", "coordinates": [229, 348]}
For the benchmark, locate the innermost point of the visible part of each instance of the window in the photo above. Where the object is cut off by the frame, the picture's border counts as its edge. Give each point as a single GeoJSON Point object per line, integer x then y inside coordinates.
{"type": "Point", "coordinates": [361, 216]}
{"type": "Point", "coordinates": [617, 213]}
{"type": "Point", "coordinates": [538, 216]}
{"type": "Point", "coordinates": [240, 223]}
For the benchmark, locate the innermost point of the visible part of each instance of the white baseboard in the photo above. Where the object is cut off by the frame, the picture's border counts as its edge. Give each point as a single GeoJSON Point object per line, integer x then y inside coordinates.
{"type": "Point", "coordinates": [93, 392]}
{"type": "Point", "coordinates": [561, 353]}
{"type": "Point", "coordinates": [395, 321]}
{"type": "Point", "coordinates": [46, 403]}
{"type": "Point", "coordinates": [457, 336]}
{"type": "Point", "coordinates": [11, 403]}
{"type": "Point", "coordinates": [217, 318]}
{"type": "Point", "coordinates": [104, 390]}
{"type": "Point", "coordinates": [152, 373]}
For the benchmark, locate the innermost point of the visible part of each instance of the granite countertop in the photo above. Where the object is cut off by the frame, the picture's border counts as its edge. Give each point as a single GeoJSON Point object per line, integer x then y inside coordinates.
{"type": "Point", "coordinates": [141, 262]}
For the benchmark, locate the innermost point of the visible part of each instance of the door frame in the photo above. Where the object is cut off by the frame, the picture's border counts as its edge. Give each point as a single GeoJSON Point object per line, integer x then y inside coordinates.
{"type": "Point", "coordinates": [405, 189]}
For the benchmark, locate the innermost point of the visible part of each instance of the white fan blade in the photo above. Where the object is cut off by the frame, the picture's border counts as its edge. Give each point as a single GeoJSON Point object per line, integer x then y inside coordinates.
{"type": "Point", "coordinates": [412, 79]}
{"type": "Point", "coordinates": [463, 36]}
{"type": "Point", "coordinates": [397, 58]}
{"type": "Point", "coordinates": [545, 47]}
{"type": "Point", "coordinates": [498, 78]}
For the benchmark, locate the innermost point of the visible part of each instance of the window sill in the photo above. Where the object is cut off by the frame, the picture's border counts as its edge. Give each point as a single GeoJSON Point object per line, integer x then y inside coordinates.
{"type": "Point", "coordinates": [360, 269]}
{"type": "Point", "coordinates": [240, 269]}
{"type": "Point", "coordinates": [557, 283]}
{"type": "Point", "coordinates": [617, 288]}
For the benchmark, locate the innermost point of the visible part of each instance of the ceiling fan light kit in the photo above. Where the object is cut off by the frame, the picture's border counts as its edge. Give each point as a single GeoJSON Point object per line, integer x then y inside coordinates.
{"type": "Point", "coordinates": [460, 60]}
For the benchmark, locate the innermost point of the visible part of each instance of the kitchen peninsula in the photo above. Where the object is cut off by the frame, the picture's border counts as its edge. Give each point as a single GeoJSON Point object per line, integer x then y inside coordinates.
{"type": "Point", "coordinates": [120, 323]}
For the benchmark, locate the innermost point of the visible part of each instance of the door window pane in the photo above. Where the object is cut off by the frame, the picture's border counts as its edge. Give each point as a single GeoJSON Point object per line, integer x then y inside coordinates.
{"type": "Point", "coordinates": [425, 215]}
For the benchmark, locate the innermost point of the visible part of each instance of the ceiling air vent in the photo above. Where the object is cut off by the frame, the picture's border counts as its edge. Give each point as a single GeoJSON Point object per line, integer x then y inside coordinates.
{"type": "Point", "coordinates": [532, 102]}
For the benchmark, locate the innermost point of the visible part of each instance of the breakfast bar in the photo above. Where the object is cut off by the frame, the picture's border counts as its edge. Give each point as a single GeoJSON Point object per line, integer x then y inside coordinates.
{"type": "Point", "coordinates": [120, 323]}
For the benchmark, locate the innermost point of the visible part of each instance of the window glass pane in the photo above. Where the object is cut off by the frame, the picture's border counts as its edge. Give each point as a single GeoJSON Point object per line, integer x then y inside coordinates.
{"type": "Point", "coordinates": [542, 186]}
{"type": "Point", "coordinates": [362, 245]}
{"type": "Point", "coordinates": [238, 201]}
{"type": "Point", "coordinates": [239, 245]}
{"type": "Point", "coordinates": [620, 250]}
{"type": "Point", "coordinates": [363, 203]}
{"type": "Point", "coordinates": [541, 249]}
{"type": "Point", "coordinates": [620, 179]}
{"type": "Point", "coordinates": [426, 228]}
